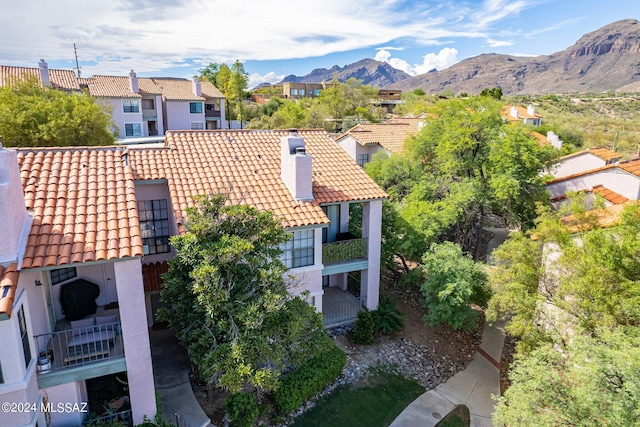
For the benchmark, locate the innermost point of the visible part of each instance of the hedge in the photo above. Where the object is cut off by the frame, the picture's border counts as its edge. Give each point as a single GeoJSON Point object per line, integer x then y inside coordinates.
{"type": "Point", "coordinates": [309, 379]}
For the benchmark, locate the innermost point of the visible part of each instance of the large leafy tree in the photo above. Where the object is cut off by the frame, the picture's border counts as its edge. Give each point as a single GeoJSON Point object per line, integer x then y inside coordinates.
{"type": "Point", "coordinates": [232, 82]}
{"type": "Point", "coordinates": [33, 116]}
{"type": "Point", "coordinates": [225, 295]}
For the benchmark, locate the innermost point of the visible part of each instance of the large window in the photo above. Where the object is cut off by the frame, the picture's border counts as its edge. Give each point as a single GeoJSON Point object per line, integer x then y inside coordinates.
{"type": "Point", "coordinates": [60, 275]}
{"type": "Point", "coordinates": [154, 226]}
{"type": "Point", "coordinates": [130, 106]}
{"type": "Point", "coordinates": [195, 107]}
{"type": "Point", "coordinates": [363, 159]}
{"type": "Point", "coordinates": [132, 129]}
{"type": "Point", "coordinates": [298, 250]}
{"type": "Point", "coordinates": [24, 336]}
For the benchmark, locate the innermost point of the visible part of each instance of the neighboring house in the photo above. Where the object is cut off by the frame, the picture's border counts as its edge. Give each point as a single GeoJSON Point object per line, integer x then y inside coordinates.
{"type": "Point", "coordinates": [70, 227]}
{"type": "Point", "coordinates": [526, 116]}
{"type": "Point", "coordinates": [622, 178]}
{"type": "Point", "coordinates": [135, 103]}
{"type": "Point", "coordinates": [581, 161]}
{"type": "Point", "coordinates": [191, 104]}
{"type": "Point", "coordinates": [86, 238]}
{"type": "Point", "coordinates": [362, 141]}
{"type": "Point", "coordinates": [295, 90]}
{"type": "Point", "coordinates": [140, 106]}
{"type": "Point", "coordinates": [551, 139]}
{"type": "Point", "coordinates": [57, 79]}
{"type": "Point", "coordinates": [298, 176]}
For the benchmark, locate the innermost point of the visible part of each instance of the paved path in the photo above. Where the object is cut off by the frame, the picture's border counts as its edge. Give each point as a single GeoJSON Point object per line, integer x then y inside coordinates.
{"type": "Point", "coordinates": [171, 374]}
{"type": "Point", "coordinates": [473, 386]}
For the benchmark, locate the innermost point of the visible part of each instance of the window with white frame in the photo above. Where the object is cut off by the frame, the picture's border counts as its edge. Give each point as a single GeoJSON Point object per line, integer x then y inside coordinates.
{"type": "Point", "coordinates": [133, 129]}
{"type": "Point", "coordinates": [154, 226]}
{"type": "Point", "coordinates": [130, 106]}
{"type": "Point", "coordinates": [197, 125]}
{"type": "Point", "coordinates": [298, 251]}
{"type": "Point", "coordinates": [195, 107]}
{"type": "Point", "coordinates": [60, 275]}
{"type": "Point", "coordinates": [24, 337]}
{"type": "Point", "coordinates": [363, 159]}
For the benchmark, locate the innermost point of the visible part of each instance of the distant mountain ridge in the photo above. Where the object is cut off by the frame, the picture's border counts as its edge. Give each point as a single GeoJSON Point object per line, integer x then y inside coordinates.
{"type": "Point", "coordinates": [605, 59]}
{"type": "Point", "coordinates": [370, 71]}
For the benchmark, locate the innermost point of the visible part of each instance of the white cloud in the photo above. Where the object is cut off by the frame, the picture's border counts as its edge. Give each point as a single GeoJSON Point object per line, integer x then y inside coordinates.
{"type": "Point", "coordinates": [255, 79]}
{"type": "Point", "coordinates": [441, 60]}
{"type": "Point", "coordinates": [499, 43]}
{"type": "Point", "coordinates": [150, 36]}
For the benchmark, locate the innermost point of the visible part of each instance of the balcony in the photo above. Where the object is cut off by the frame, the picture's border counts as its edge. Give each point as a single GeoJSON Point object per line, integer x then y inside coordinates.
{"type": "Point", "coordinates": [344, 251]}
{"type": "Point", "coordinates": [212, 113]}
{"type": "Point", "coordinates": [339, 307]}
{"type": "Point", "coordinates": [149, 113]}
{"type": "Point", "coordinates": [80, 353]}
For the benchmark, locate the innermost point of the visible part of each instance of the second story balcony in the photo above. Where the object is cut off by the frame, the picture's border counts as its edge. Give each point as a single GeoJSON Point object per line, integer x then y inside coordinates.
{"type": "Point", "coordinates": [344, 251]}
{"type": "Point", "coordinates": [80, 353]}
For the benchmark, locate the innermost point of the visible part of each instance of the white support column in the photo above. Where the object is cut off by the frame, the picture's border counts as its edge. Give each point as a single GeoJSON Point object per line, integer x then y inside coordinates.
{"type": "Point", "coordinates": [344, 217]}
{"type": "Point", "coordinates": [371, 230]}
{"type": "Point", "coordinates": [135, 334]}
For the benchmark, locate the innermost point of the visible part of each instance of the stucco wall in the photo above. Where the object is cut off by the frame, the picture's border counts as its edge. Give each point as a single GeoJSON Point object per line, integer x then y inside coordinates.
{"type": "Point", "coordinates": [179, 117]}
{"type": "Point", "coordinates": [576, 164]}
{"type": "Point", "coordinates": [121, 117]}
{"type": "Point", "coordinates": [614, 179]}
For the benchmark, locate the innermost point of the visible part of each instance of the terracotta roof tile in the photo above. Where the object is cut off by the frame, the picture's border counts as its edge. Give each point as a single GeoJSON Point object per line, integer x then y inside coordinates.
{"type": "Point", "coordinates": [72, 193]}
{"type": "Point", "coordinates": [630, 166]}
{"type": "Point", "coordinates": [8, 286]}
{"type": "Point", "coordinates": [391, 135]}
{"type": "Point", "coordinates": [609, 195]}
{"type": "Point", "coordinates": [60, 79]}
{"type": "Point", "coordinates": [601, 152]}
{"type": "Point", "coordinates": [246, 166]}
{"type": "Point", "coordinates": [174, 89]}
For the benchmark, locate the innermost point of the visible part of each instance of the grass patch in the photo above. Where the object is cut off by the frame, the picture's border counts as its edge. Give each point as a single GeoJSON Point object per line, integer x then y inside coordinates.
{"type": "Point", "coordinates": [458, 417]}
{"type": "Point", "coordinates": [376, 401]}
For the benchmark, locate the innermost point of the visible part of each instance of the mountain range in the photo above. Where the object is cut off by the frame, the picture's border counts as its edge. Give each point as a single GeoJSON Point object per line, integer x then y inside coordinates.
{"type": "Point", "coordinates": [602, 60]}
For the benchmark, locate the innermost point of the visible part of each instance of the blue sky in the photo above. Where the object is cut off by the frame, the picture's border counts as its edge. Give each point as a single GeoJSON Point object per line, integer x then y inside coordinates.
{"type": "Point", "coordinates": [279, 37]}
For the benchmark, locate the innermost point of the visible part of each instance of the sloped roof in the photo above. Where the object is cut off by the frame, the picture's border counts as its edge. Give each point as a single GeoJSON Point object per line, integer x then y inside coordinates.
{"type": "Point", "coordinates": [390, 135]}
{"type": "Point", "coordinates": [602, 152]}
{"type": "Point", "coordinates": [174, 89]}
{"type": "Point", "coordinates": [118, 87]}
{"type": "Point", "coordinates": [245, 165]}
{"type": "Point", "coordinates": [630, 166]}
{"type": "Point", "coordinates": [60, 79]}
{"type": "Point", "coordinates": [608, 194]}
{"type": "Point", "coordinates": [83, 205]}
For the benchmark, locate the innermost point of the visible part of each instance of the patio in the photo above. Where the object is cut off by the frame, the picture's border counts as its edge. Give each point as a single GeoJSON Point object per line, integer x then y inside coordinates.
{"type": "Point", "coordinates": [339, 307]}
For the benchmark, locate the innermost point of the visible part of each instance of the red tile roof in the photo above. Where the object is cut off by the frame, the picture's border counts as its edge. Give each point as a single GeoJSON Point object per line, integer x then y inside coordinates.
{"type": "Point", "coordinates": [630, 166]}
{"type": "Point", "coordinates": [174, 89]}
{"type": "Point", "coordinates": [118, 87]}
{"type": "Point", "coordinates": [83, 205]}
{"type": "Point", "coordinates": [8, 285]}
{"type": "Point", "coordinates": [390, 135]}
{"type": "Point", "coordinates": [610, 195]}
{"type": "Point", "coordinates": [601, 152]}
{"type": "Point", "coordinates": [60, 79]}
{"type": "Point", "coordinates": [245, 165]}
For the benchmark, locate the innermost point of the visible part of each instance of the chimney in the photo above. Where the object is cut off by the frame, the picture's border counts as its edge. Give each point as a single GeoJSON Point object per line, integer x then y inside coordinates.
{"type": "Point", "coordinates": [133, 82]}
{"type": "Point", "coordinates": [514, 112]}
{"type": "Point", "coordinates": [45, 80]}
{"type": "Point", "coordinates": [530, 110]}
{"type": "Point", "coordinates": [16, 221]}
{"type": "Point", "coordinates": [196, 87]}
{"type": "Point", "coordinates": [554, 139]}
{"type": "Point", "coordinates": [295, 166]}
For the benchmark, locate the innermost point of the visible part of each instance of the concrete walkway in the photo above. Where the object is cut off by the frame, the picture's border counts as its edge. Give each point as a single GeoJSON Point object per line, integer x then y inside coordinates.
{"type": "Point", "coordinates": [171, 374]}
{"type": "Point", "coordinates": [472, 387]}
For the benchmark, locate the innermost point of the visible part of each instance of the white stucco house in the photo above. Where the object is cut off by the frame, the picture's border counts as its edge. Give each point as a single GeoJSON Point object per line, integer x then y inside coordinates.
{"type": "Point", "coordinates": [86, 238]}
{"type": "Point", "coordinates": [362, 141]}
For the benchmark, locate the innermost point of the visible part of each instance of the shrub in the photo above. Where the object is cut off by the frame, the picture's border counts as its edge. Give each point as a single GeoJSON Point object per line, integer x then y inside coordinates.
{"type": "Point", "coordinates": [309, 379]}
{"type": "Point", "coordinates": [242, 408]}
{"type": "Point", "coordinates": [387, 317]}
{"type": "Point", "coordinates": [365, 328]}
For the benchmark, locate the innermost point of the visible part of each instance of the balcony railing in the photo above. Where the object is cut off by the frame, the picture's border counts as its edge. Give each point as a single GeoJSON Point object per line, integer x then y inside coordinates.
{"type": "Point", "coordinates": [343, 251]}
{"type": "Point", "coordinates": [120, 418]}
{"type": "Point", "coordinates": [212, 113]}
{"type": "Point", "coordinates": [79, 347]}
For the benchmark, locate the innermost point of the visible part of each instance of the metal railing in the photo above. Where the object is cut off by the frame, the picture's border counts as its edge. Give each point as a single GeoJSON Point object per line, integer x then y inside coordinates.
{"type": "Point", "coordinates": [346, 250]}
{"type": "Point", "coordinates": [341, 312]}
{"type": "Point", "coordinates": [78, 347]}
{"type": "Point", "coordinates": [122, 418]}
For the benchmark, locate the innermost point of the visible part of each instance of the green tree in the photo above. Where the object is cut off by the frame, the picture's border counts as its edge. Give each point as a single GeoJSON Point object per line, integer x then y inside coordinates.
{"type": "Point", "coordinates": [591, 382]}
{"type": "Point", "coordinates": [33, 116]}
{"type": "Point", "coordinates": [453, 282]}
{"type": "Point", "coordinates": [232, 82]}
{"type": "Point", "coordinates": [226, 297]}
